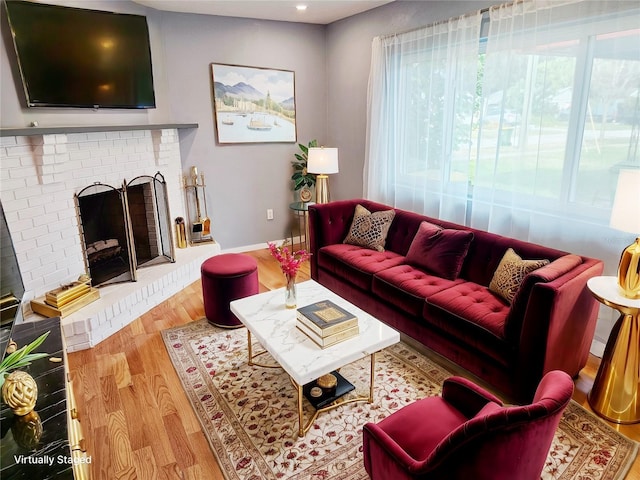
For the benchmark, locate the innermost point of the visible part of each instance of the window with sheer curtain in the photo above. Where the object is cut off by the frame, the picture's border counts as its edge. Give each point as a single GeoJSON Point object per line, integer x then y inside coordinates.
{"type": "Point", "coordinates": [521, 130]}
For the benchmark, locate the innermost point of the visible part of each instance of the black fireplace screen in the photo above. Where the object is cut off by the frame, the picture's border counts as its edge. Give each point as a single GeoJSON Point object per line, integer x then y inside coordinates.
{"type": "Point", "coordinates": [124, 229]}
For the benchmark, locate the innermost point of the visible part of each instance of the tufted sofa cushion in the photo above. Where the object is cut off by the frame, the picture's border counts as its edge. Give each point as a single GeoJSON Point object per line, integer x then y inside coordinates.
{"type": "Point", "coordinates": [406, 287]}
{"type": "Point", "coordinates": [358, 264]}
{"type": "Point", "coordinates": [474, 303]}
{"type": "Point", "coordinates": [474, 315]}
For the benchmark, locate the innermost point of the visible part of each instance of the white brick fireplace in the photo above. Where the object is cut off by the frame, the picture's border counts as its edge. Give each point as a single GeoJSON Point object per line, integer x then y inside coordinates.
{"type": "Point", "coordinates": [39, 175]}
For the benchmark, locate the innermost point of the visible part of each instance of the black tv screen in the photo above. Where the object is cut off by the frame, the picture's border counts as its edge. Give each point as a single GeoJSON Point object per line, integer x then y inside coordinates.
{"type": "Point", "coordinates": [73, 57]}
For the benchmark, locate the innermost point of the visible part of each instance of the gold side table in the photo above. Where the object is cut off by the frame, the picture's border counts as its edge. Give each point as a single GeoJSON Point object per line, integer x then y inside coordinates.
{"type": "Point", "coordinates": [615, 392]}
{"type": "Point", "coordinates": [301, 211]}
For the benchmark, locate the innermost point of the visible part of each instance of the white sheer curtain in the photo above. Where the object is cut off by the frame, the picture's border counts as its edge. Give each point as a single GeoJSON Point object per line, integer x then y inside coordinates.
{"type": "Point", "coordinates": [422, 92]}
{"type": "Point", "coordinates": [559, 103]}
{"type": "Point", "coordinates": [521, 133]}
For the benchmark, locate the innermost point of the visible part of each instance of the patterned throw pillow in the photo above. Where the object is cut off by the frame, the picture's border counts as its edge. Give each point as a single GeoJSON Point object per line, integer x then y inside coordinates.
{"type": "Point", "coordinates": [370, 229]}
{"type": "Point", "coordinates": [510, 274]}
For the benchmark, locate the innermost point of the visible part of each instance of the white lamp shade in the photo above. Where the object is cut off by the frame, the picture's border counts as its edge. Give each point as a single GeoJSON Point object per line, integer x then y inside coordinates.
{"type": "Point", "coordinates": [322, 160]}
{"type": "Point", "coordinates": [625, 214]}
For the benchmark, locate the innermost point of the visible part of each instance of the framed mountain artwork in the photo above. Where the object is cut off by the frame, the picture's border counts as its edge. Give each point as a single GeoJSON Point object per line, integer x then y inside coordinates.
{"type": "Point", "coordinates": [253, 104]}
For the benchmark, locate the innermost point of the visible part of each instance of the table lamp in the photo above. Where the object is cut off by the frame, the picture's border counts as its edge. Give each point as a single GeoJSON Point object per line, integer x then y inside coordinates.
{"type": "Point", "coordinates": [322, 161]}
{"type": "Point", "coordinates": [625, 216]}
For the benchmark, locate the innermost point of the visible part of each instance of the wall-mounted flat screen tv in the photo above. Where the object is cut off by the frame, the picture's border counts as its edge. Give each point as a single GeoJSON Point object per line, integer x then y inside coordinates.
{"type": "Point", "coordinates": [73, 57]}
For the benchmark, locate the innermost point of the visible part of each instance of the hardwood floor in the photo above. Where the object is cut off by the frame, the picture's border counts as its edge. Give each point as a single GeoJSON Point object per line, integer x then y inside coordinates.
{"type": "Point", "coordinates": [136, 419]}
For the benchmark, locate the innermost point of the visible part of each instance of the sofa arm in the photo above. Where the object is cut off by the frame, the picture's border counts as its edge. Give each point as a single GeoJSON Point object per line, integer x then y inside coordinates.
{"type": "Point", "coordinates": [550, 272]}
{"type": "Point", "coordinates": [329, 222]}
{"type": "Point", "coordinates": [558, 325]}
{"type": "Point", "coordinates": [466, 396]}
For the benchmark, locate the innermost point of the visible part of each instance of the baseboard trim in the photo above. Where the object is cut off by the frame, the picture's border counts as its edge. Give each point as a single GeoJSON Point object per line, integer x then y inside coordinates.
{"type": "Point", "coordinates": [260, 246]}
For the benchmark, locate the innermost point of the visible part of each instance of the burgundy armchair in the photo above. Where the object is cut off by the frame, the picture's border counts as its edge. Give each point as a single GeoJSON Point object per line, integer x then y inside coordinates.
{"type": "Point", "coordinates": [467, 433]}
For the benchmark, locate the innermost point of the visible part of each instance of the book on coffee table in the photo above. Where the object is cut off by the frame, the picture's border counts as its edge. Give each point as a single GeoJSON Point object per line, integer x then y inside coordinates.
{"type": "Point", "coordinates": [343, 387]}
{"type": "Point", "coordinates": [329, 340]}
{"type": "Point", "coordinates": [326, 318]}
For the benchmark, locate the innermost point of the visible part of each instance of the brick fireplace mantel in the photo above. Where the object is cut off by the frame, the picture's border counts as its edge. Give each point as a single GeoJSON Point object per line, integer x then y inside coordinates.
{"type": "Point", "coordinates": [42, 168]}
{"type": "Point", "coordinates": [27, 131]}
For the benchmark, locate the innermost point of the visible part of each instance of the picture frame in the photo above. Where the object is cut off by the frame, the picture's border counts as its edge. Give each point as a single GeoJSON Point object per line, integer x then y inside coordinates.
{"type": "Point", "coordinates": [253, 104]}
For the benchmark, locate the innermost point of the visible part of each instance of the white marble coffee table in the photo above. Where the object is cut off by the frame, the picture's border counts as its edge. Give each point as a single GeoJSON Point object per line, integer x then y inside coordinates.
{"type": "Point", "coordinates": [274, 326]}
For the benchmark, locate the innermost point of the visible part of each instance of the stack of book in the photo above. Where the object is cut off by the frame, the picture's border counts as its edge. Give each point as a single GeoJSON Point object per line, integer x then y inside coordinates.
{"type": "Point", "coordinates": [66, 299]}
{"type": "Point", "coordinates": [327, 323]}
{"type": "Point", "coordinates": [60, 297]}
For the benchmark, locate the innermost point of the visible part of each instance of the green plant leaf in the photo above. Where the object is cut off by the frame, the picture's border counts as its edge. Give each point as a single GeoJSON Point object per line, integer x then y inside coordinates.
{"type": "Point", "coordinates": [37, 342]}
{"type": "Point", "coordinates": [28, 359]}
{"type": "Point", "coordinates": [10, 361]}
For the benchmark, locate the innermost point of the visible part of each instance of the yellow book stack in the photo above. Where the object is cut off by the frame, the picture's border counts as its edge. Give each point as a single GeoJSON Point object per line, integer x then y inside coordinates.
{"type": "Point", "coordinates": [326, 323]}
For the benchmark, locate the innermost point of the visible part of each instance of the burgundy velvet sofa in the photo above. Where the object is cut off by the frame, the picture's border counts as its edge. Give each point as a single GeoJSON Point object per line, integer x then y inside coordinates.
{"type": "Point", "coordinates": [548, 326]}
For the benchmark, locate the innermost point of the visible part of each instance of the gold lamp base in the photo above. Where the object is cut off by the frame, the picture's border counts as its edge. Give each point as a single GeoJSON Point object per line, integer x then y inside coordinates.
{"type": "Point", "coordinates": [629, 271]}
{"type": "Point", "coordinates": [322, 188]}
{"type": "Point", "coordinates": [616, 390]}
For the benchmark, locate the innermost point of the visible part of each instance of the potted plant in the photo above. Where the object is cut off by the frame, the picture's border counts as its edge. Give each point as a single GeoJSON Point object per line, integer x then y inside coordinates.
{"type": "Point", "coordinates": [303, 180]}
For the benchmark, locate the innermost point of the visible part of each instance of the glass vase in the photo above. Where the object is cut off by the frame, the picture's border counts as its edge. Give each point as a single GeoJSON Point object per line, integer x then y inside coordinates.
{"type": "Point", "coordinates": [290, 300]}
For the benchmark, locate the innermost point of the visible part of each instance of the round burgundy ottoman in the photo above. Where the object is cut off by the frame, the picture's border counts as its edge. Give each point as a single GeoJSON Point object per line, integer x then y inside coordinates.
{"type": "Point", "coordinates": [225, 278]}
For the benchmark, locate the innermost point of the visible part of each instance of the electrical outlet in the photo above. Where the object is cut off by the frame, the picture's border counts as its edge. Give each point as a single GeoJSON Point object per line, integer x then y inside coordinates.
{"type": "Point", "coordinates": [269, 213]}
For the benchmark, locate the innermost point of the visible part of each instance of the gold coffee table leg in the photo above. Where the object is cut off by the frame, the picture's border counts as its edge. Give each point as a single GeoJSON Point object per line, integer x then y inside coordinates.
{"type": "Point", "coordinates": [249, 346]}
{"type": "Point", "coordinates": [371, 376]}
{"type": "Point", "coordinates": [615, 393]}
{"type": "Point", "coordinates": [251, 355]}
{"type": "Point", "coordinates": [303, 427]}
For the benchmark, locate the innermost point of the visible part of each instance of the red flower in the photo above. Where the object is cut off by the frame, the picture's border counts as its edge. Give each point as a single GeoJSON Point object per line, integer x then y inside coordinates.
{"type": "Point", "coordinates": [289, 261]}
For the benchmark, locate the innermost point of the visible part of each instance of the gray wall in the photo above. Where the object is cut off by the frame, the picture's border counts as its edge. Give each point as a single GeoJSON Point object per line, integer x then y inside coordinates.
{"type": "Point", "coordinates": [348, 61]}
{"type": "Point", "coordinates": [243, 180]}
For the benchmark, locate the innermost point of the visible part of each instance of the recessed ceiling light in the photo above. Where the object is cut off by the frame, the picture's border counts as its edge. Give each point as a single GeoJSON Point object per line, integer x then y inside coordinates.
{"type": "Point", "coordinates": [301, 8]}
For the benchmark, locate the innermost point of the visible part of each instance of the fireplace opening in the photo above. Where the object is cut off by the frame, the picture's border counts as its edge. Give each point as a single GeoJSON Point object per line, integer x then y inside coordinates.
{"type": "Point", "coordinates": [124, 229]}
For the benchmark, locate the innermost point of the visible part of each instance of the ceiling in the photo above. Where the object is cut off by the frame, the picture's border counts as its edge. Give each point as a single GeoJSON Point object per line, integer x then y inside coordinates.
{"type": "Point", "coordinates": [318, 11]}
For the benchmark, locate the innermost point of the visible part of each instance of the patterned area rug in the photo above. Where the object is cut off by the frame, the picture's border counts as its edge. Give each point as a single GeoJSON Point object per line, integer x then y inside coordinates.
{"type": "Point", "coordinates": [249, 414]}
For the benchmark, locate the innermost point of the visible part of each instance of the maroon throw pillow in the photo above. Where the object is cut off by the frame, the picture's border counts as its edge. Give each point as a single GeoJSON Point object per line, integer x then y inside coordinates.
{"type": "Point", "coordinates": [440, 252]}
{"type": "Point", "coordinates": [416, 252]}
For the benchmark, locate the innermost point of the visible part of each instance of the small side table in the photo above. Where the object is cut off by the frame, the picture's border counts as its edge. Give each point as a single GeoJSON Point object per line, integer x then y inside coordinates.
{"type": "Point", "coordinates": [301, 211]}
{"type": "Point", "coordinates": [615, 394]}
